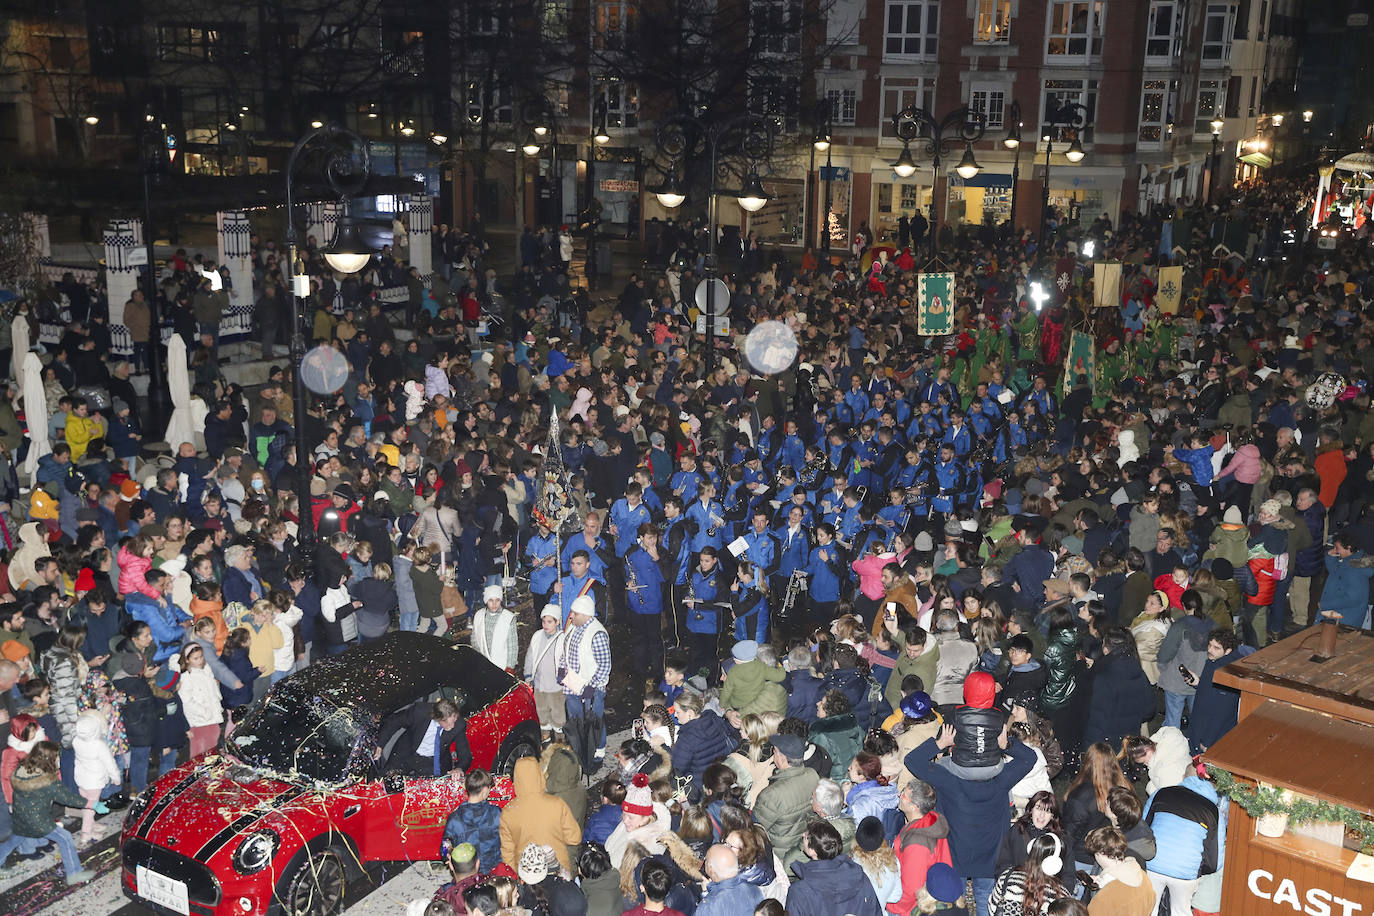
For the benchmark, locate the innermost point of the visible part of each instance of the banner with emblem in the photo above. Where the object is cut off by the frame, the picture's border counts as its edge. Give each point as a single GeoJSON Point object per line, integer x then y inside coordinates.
{"type": "Point", "coordinates": [1106, 284]}
{"type": "Point", "coordinates": [1170, 290]}
{"type": "Point", "coordinates": [935, 310]}
{"type": "Point", "coordinates": [1079, 361]}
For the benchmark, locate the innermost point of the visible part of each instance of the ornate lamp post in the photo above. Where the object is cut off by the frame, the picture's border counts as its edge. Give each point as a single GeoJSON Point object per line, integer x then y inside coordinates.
{"type": "Point", "coordinates": [940, 135]}
{"type": "Point", "coordinates": [820, 143]}
{"type": "Point", "coordinates": [347, 167]}
{"type": "Point", "coordinates": [1073, 116]}
{"type": "Point", "coordinates": [1012, 141]}
{"type": "Point", "coordinates": [748, 135]}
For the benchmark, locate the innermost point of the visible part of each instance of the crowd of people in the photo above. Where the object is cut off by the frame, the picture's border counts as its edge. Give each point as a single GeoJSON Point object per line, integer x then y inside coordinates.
{"type": "Point", "coordinates": [917, 625]}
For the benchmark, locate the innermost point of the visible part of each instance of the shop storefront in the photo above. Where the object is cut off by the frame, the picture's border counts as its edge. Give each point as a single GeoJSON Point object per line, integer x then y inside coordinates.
{"type": "Point", "coordinates": [1300, 759]}
{"type": "Point", "coordinates": [984, 199]}
{"type": "Point", "coordinates": [782, 222]}
{"type": "Point", "coordinates": [893, 199]}
{"type": "Point", "coordinates": [1086, 193]}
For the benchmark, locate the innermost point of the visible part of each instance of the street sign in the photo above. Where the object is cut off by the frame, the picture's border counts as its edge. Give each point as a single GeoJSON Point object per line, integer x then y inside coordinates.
{"type": "Point", "coordinates": [137, 257]}
{"type": "Point", "coordinates": [722, 325]}
{"type": "Point", "coordinates": [722, 296]}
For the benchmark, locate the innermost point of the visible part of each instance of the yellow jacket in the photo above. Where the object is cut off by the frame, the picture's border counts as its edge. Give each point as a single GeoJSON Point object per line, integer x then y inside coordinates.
{"type": "Point", "coordinates": [264, 643]}
{"type": "Point", "coordinates": [80, 432]}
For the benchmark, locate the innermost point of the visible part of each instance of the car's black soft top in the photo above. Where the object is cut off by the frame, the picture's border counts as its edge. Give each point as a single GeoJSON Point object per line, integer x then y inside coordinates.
{"type": "Point", "coordinates": [401, 667]}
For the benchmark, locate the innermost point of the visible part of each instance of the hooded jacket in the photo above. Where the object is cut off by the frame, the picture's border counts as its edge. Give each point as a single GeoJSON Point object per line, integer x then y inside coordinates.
{"type": "Point", "coordinates": [33, 546]}
{"type": "Point", "coordinates": [841, 737]}
{"type": "Point", "coordinates": [1185, 644]}
{"type": "Point", "coordinates": [66, 673]}
{"type": "Point", "coordinates": [920, 844]}
{"type": "Point", "coordinates": [535, 816]}
{"type": "Point", "coordinates": [1184, 819]}
{"type": "Point", "coordinates": [854, 685]}
{"type": "Point", "coordinates": [1347, 587]}
{"type": "Point", "coordinates": [751, 687]}
{"type": "Point", "coordinates": [35, 793]}
{"type": "Point", "coordinates": [95, 766]}
{"type": "Point", "coordinates": [832, 887]}
{"type": "Point", "coordinates": [563, 777]}
{"type": "Point", "coordinates": [163, 619]}
{"type": "Point", "coordinates": [978, 723]}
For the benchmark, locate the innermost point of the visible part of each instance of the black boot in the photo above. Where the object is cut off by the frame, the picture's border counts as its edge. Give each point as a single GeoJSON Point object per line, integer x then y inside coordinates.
{"type": "Point", "coordinates": [117, 802]}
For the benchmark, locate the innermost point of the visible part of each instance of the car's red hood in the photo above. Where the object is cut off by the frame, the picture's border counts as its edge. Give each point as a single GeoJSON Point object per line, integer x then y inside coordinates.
{"type": "Point", "coordinates": [203, 810]}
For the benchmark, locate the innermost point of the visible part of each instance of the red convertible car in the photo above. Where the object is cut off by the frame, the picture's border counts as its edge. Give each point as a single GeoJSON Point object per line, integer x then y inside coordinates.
{"type": "Point", "coordinates": [299, 799]}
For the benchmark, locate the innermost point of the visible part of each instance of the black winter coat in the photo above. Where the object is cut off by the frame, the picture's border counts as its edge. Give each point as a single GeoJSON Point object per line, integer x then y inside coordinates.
{"type": "Point", "coordinates": [854, 685]}
{"type": "Point", "coordinates": [140, 712]}
{"type": "Point", "coordinates": [171, 727]}
{"type": "Point", "coordinates": [700, 743]}
{"type": "Point", "coordinates": [1121, 700]}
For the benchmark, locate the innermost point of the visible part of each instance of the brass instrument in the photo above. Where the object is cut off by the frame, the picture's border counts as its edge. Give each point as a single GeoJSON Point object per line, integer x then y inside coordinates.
{"type": "Point", "coordinates": [691, 598]}
{"type": "Point", "coordinates": [716, 524]}
{"type": "Point", "coordinates": [814, 472]}
{"type": "Point", "coordinates": [796, 584]}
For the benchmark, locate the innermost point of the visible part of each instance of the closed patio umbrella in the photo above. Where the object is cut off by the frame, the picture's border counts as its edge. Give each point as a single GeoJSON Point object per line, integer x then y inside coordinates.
{"type": "Point", "coordinates": [182, 426]}
{"type": "Point", "coordinates": [19, 340]}
{"type": "Point", "coordinates": [35, 412]}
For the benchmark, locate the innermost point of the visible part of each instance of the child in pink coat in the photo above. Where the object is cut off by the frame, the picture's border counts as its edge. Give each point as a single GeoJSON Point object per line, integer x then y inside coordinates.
{"type": "Point", "coordinates": [135, 559]}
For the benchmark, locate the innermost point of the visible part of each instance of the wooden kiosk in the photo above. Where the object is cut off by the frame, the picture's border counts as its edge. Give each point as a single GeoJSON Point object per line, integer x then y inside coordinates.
{"type": "Point", "coordinates": [1306, 725]}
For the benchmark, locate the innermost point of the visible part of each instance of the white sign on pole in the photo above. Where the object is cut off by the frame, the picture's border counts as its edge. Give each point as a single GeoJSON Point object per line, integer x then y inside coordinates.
{"type": "Point", "coordinates": [722, 325]}
{"type": "Point", "coordinates": [722, 296]}
{"type": "Point", "coordinates": [137, 256]}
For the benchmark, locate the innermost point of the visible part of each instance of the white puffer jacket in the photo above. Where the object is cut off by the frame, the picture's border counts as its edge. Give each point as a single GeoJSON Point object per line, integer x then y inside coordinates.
{"type": "Point", "coordinates": [200, 697]}
{"type": "Point", "coordinates": [95, 766]}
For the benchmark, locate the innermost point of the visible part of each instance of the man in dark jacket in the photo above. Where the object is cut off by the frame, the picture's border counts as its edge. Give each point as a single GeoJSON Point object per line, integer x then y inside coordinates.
{"type": "Point", "coordinates": [433, 740]}
{"type": "Point", "coordinates": [1122, 697]}
{"type": "Point", "coordinates": [139, 715]}
{"type": "Point", "coordinates": [804, 689]}
{"type": "Point", "coordinates": [849, 680]}
{"type": "Point", "coordinates": [830, 884]}
{"type": "Point", "coordinates": [1033, 564]}
{"type": "Point", "coordinates": [978, 807]}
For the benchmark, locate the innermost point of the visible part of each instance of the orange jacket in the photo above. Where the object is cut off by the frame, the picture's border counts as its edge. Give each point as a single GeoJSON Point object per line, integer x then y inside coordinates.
{"type": "Point", "coordinates": [1330, 467]}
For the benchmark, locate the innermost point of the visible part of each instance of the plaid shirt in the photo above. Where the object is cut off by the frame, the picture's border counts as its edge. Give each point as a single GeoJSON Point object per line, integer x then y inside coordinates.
{"type": "Point", "coordinates": [601, 653]}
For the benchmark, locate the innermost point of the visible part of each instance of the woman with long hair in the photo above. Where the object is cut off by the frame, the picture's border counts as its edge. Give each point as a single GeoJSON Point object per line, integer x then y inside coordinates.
{"type": "Point", "coordinates": [1042, 816]}
{"type": "Point", "coordinates": [752, 761]}
{"type": "Point", "coordinates": [1030, 888]}
{"type": "Point", "coordinates": [877, 859]}
{"type": "Point", "coordinates": [868, 792]}
{"type": "Point", "coordinates": [1085, 801]}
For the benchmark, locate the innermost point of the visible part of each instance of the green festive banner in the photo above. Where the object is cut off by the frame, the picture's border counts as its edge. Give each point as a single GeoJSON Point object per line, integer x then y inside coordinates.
{"type": "Point", "coordinates": [935, 315]}
{"type": "Point", "coordinates": [1079, 360]}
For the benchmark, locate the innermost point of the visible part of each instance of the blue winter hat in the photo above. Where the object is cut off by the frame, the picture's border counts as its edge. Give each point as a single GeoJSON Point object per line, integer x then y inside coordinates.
{"type": "Point", "coordinates": [943, 884]}
{"type": "Point", "coordinates": [916, 705]}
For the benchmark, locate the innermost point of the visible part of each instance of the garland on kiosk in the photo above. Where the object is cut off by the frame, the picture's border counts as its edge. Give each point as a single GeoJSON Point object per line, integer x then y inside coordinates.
{"type": "Point", "coordinates": [1260, 800]}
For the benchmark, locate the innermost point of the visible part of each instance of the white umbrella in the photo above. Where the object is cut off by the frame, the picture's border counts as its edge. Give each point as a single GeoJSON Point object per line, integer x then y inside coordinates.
{"type": "Point", "coordinates": [35, 412]}
{"type": "Point", "coordinates": [181, 428]}
{"type": "Point", "coordinates": [19, 338]}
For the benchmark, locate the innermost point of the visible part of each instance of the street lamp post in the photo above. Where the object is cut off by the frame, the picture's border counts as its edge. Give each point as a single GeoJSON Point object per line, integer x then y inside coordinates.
{"type": "Point", "coordinates": [820, 143]}
{"type": "Point", "coordinates": [1073, 116]}
{"type": "Point", "coordinates": [963, 125]}
{"type": "Point", "coordinates": [346, 170]}
{"type": "Point", "coordinates": [1216, 159]}
{"type": "Point", "coordinates": [749, 135]}
{"type": "Point", "coordinates": [1012, 141]}
{"type": "Point", "coordinates": [545, 130]}
{"type": "Point", "coordinates": [155, 169]}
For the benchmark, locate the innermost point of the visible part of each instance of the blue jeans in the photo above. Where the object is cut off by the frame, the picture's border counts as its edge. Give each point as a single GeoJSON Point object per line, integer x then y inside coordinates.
{"type": "Point", "coordinates": [139, 760]}
{"type": "Point", "coordinates": [71, 863]}
{"type": "Point", "coordinates": [279, 676]}
{"type": "Point", "coordinates": [1278, 608]}
{"type": "Point", "coordinates": [410, 621]}
{"type": "Point", "coordinates": [1175, 704]}
{"type": "Point", "coordinates": [982, 890]}
{"type": "Point", "coordinates": [573, 707]}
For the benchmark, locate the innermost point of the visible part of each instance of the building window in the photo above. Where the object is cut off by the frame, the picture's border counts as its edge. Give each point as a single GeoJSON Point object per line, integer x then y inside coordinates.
{"type": "Point", "coordinates": [1161, 32]}
{"type": "Point", "coordinates": [615, 20]}
{"type": "Point", "coordinates": [776, 26]}
{"type": "Point", "coordinates": [1217, 31]}
{"type": "Point", "coordinates": [1075, 30]}
{"type": "Point", "coordinates": [994, 21]}
{"type": "Point", "coordinates": [911, 198]}
{"type": "Point", "coordinates": [1152, 111]}
{"type": "Point", "coordinates": [182, 42]}
{"type": "Point", "coordinates": [844, 106]}
{"type": "Point", "coordinates": [553, 19]}
{"type": "Point", "coordinates": [901, 93]}
{"type": "Point", "coordinates": [1211, 104]}
{"type": "Point", "coordinates": [991, 103]}
{"type": "Point", "coordinates": [622, 102]}
{"type": "Point", "coordinates": [484, 17]}
{"type": "Point", "coordinates": [60, 53]}
{"type": "Point", "coordinates": [1059, 92]}
{"type": "Point", "coordinates": [775, 95]}
{"type": "Point", "coordinates": [493, 106]}
{"type": "Point", "coordinates": [913, 28]}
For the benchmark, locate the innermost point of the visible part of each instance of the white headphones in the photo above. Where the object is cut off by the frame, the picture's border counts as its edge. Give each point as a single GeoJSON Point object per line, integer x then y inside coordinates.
{"type": "Point", "coordinates": [1053, 863]}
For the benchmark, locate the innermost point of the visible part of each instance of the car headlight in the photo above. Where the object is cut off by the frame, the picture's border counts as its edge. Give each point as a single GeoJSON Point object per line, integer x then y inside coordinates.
{"type": "Point", "coordinates": [256, 851]}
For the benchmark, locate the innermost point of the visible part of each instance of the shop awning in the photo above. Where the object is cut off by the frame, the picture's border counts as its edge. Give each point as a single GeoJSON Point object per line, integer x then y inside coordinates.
{"type": "Point", "coordinates": [1311, 753]}
{"type": "Point", "coordinates": [1257, 159]}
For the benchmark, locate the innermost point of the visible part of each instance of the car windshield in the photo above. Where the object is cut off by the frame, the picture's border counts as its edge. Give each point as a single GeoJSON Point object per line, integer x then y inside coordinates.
{"type": "Point", "coordinates": [296, 738]}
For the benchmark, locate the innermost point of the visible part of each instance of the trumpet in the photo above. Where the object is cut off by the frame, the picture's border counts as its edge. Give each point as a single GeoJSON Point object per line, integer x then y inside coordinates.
{"type": "Point", "coordinates": [796, 584]}
{"type": "Point", "coordinates": [691, 599]}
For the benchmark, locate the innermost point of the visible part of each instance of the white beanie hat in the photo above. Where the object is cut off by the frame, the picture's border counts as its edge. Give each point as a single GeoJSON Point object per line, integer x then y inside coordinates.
{"type": "Point", "coordinates": [583, 604]}
{"type": "Point", "coordinates": [493, 591]}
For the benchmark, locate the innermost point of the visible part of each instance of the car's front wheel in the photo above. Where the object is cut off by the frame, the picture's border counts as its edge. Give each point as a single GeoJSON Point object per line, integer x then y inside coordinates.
{"type": "Point", "coordinates": [316, 888]}
{"type": "Point", "coordinates": [523, 742]}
